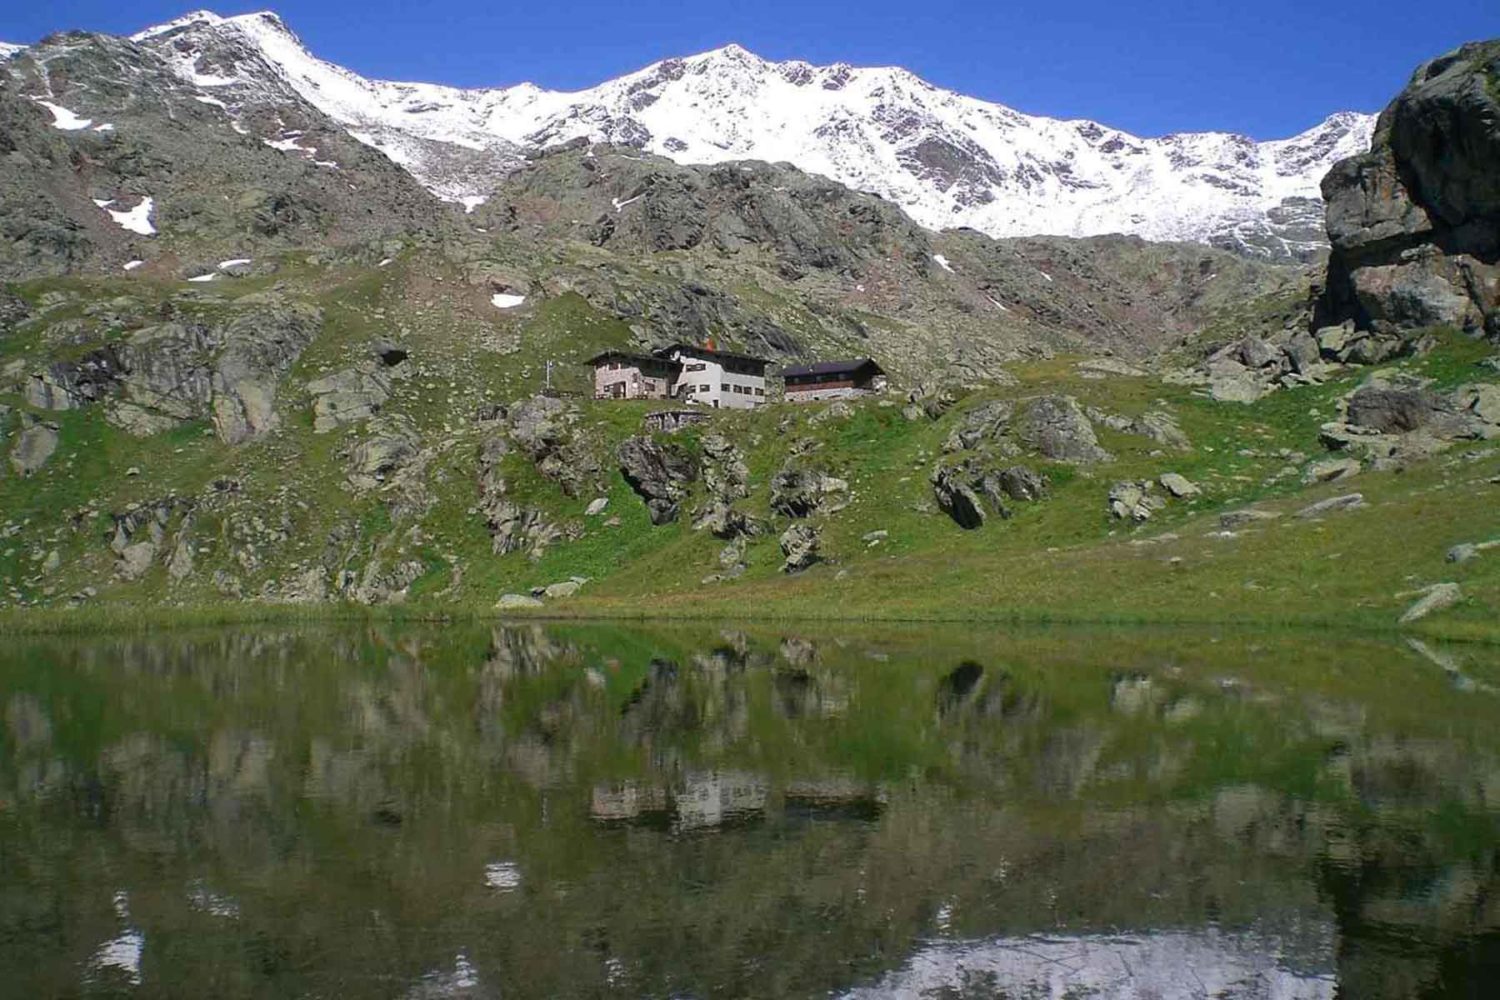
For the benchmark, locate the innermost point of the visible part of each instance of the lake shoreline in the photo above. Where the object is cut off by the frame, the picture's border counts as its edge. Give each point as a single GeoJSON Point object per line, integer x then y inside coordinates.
{"type": "Point", "coordinates": [125, 619]}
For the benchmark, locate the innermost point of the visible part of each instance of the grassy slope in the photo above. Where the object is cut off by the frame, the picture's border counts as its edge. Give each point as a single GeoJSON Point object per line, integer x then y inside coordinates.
{"type": "Point", "coordinates": [1062, 559]}
{"type": "Point", "coordinates": [1065, 559]}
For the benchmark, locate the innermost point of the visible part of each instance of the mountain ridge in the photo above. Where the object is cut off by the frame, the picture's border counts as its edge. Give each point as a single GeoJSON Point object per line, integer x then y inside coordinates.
{"type": "Point", "coordinates": [949, 160]}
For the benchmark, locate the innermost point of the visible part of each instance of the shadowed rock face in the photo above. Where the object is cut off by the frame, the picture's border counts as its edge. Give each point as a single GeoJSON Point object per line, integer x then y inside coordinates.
{"type": "Point", "coordinates": [1415, 223]}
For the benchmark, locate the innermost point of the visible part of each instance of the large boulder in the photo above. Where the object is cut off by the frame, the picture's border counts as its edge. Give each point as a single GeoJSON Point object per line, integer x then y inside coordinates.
{"type": "Point", "coordinates": [1415, 222]}
{"type": "Point", "coordinates": [659, 473]}
{"type": "Point", "coordinates": [799, 546]}
{"type": "Point", "coordinates": [1057, 427]}
{"type": "Point", "coordinates": [1390, 410]}
{"type": "Point", "coordinates": [957, 498]}
{"type": "Point", "coordinates": [1020, 483]}
{"type": "Point", "coordinates": [34, 446]}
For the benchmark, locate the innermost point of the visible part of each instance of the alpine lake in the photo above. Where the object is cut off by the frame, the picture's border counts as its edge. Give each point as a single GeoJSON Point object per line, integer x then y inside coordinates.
{"type": "Point", "coordinates": [716, 810]}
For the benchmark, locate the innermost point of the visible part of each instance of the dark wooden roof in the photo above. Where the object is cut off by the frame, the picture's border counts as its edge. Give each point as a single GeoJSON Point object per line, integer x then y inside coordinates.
{"type": "Point", "coordinates": [849, 367]}
{"type": "Point", "coordinates": [650, 359]}
{"type": "Point", "coordinates": [699, 349]}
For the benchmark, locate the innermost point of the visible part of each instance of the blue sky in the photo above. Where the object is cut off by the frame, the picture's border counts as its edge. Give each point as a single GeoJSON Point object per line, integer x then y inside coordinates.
{"type": "Point", "coordinates": [1268, 68]}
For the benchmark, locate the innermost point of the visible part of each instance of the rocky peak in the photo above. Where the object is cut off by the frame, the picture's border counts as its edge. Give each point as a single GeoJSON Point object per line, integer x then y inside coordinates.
{"type": "Point", "coordinates": [1415, 222]}
{"type": "Point", "coordinates": [949, 160]}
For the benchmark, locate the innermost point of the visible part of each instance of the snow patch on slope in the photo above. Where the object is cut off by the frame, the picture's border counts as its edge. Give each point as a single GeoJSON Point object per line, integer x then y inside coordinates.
{"type": "Point", "coordinates": [136, 219]}
{"type": "Point", "coordinates": [64, 119]}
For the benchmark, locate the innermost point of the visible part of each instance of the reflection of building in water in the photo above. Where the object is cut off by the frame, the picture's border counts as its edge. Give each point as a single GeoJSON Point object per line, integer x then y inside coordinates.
{"type": "Point", "coordinates": [716, 797]}
{"type": "Point", "coordinates": [628, 801]}
{"type": "Point", "coordinates": [836, 797]}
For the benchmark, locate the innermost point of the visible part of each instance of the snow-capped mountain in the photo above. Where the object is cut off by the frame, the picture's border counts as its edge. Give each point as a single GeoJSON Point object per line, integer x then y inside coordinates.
{"type": "Point", "coordinates": [949, 160]}
{"type": "Point", "coordinates": [8, 49]}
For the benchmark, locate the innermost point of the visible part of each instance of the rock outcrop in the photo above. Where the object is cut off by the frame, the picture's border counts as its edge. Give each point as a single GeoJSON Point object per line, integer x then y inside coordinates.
{"type": "Point", "coordinates": [660, 474]}
{"type": "Point", "coordinates": [1390, 422]}
{"type": "Point", "coordinates": [545, 429]}
{"type": "Point", "coordinates": [1057, 427]}
{"type": "Point", "coordinates": [800, 490]}
{"type": "Point", "coordinates": [968, 493]}
{"type": "Point", "coordinates": [1415, 223]}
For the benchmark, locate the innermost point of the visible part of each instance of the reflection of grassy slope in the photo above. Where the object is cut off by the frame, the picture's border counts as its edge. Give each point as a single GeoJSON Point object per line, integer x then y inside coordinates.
{"type": "Point", "coordinates": [412, 758]}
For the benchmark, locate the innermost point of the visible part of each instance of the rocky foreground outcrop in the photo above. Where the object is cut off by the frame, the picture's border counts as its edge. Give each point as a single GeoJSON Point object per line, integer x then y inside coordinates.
{"type": "Point", "coordinates": [1415, 223]}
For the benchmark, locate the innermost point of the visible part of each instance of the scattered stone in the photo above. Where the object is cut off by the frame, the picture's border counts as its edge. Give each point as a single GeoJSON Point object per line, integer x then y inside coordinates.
{"type": "Point", "coordinates": [1467, 551]}
{"type": "Point", "coordinates": [1437, 597]}
{"type": "Point", "coordinates": [596, 506]}
{"type": "Point", "coordinates": [1110, 366]}
{"type": "Point", "coordinates": [1332, 505]}
{"type": "Point", "coordinates": [1331, 470]}
{"type": "Point", "coordinates": [1179, 486]}
{"type": "Point", "coordinates": [1248, 515]}
{"type": "Point", "coordinates": [510, 602]}
{"type": "Point", "coordinates": [1134, 501]}
{"type": "Point", "coordinates": [874, 538]}
{"type": "Point", "coordinates": [567, 588]}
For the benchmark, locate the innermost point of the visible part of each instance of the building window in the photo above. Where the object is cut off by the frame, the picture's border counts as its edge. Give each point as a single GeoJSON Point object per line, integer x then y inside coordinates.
{"type": "Point", "coordinates": [703, 388]}
{"type": "Point", "coordinates": [723, 386]}
{"type": "Point", "coordinates": [696, 368]}
{"type": "Point", "coordinates": [760, 392]}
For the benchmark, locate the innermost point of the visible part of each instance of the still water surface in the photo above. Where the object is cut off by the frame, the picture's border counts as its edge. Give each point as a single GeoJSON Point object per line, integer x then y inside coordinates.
{"type": "Point", "coordinates": [586, 811]}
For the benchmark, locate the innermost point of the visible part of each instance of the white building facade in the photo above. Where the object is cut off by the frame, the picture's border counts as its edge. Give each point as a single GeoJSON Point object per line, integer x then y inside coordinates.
{"type": "Point", "coordinates": [719, 379]}
{"type": "Point", "coordinates": [707, 376]}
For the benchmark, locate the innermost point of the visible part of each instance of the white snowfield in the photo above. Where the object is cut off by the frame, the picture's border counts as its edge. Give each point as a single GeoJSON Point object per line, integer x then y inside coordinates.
{"type": "Point", "coordinates": [8, 49]}
{"type": "Point", "coordinates": [949, 160]}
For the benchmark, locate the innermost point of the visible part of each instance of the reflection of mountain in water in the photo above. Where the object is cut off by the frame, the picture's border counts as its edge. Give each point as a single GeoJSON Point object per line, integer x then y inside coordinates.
{"type": "Point", "coordinates": [1165, 965]}
{"type": "Point", "coordinates": [583, 810]}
